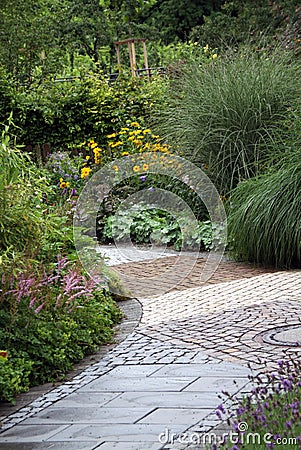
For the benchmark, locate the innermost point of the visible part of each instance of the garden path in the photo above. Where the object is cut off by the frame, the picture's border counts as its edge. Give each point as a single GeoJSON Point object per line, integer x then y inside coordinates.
{"type": "Point", "coordinates": [159, 387]}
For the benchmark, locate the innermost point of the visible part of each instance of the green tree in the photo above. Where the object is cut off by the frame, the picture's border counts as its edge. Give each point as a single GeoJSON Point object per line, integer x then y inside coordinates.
{"type": "Point", "coordinates": [239, 22]}
{"type": "Point", "coordinates": [176, 18]}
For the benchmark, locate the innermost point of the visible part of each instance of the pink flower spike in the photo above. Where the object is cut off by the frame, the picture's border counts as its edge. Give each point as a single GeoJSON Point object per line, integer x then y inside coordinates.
{"type": "Point", "coordinates": [39, 308]}
{"type": "Point", "coordinates": [32, 302]}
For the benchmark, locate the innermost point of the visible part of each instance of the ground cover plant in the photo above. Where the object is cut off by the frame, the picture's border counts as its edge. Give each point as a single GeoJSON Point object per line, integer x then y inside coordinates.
{"type": "Point", "coordinates": [271, 412]}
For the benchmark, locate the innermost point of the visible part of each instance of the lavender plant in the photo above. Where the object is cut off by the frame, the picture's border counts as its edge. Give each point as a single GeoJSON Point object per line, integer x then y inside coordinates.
{"type": "Point", "coordinates": [271, 413]}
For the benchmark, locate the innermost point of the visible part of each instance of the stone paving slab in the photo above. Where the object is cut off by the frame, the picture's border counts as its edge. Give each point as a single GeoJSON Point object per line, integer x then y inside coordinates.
{"type": "Point", "coordinates": [114, 433]}
{"type": "Point", "coordinates": [129, 446]}
{"type": "Point", "coordinates": [181, 399]}
{"type": "Point", "coordinates": [49, 446]}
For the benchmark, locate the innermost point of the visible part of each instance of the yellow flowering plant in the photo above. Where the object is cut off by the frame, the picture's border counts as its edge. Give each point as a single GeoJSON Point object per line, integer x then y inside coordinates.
{"type": "Point", "coordinates": [129, 140]}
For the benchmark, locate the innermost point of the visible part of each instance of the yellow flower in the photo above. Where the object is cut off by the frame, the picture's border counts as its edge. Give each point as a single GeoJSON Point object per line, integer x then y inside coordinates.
{"type": "Point", "coordinates": [64, 184]}
{"type": "Point", "coordinates": [206, 48]}
{"type": "Point", "coordinates": [111, 136]}
{"type": "Point", "coordinates": [131, 138]}
{"type": "Point", "coordinates": [137, 142]}
{"type": "Point", "coordinates": [93, 145]}
{"type": "Point", "coordinates": [124, 153]}
{"type": "Point", "coordinates": [115, 168]}
{"type": "Point", "coordinates": [125, 129]}
{"type": "Point", "coordinates": [145, 167]}
{"type": "Point", "coordinates": [136, 168]}
{"type": "Point", "coordinates": [214, 56]}
{"type": "Point", "coordinates": [146, 146]}
{"type": "Point", "coordinates": [146, 131]}
{"type": "Point", "coordinates": [135, 124]}
{"type": "Point", "coordinates": [87, 157]}
{"type": "Point", "coordinates": [85, 172]}
{"type": "Point", "coordinates": [117, 144]}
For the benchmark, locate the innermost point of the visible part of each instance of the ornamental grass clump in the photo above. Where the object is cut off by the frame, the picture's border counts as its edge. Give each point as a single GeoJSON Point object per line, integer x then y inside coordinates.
{"type": "Point", "coordinates": [264, 216]}
{"type": "Point", "coordinates": [227, 114]}
{"type": "Point", "coordinates": [270, 416]}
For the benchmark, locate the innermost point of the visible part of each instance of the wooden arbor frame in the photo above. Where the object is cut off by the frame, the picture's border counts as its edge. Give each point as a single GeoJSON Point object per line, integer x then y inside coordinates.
{"type": "Point", "coordinates": [131, 46]}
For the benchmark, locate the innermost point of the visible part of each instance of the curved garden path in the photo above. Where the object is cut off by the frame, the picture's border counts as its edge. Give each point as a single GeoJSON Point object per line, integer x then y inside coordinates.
{"type": "Point", "coordinates": [159, 387]}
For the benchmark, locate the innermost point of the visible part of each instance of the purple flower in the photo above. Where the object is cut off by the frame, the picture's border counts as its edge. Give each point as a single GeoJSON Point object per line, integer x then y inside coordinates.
{"type": "Point", "coordinates": [288, 424]}
{"type": "Point", "coordinates": [221, 408]}
{"type": "Point", "coordinates": [143, 177]}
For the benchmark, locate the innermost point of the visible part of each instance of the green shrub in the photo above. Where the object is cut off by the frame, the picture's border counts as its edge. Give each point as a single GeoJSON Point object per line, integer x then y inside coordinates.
{"type": "Point", "coordinates": [264, 220]}
{"type": "Point", "coordinates": [29, 221]}
{"type": "Point", "coordinates": [49, 320]}
{"type": "Point", "coordinates": [14, 377]}
{"type": "Point", "coordinates": [225, 116]}
{"type": "Point", "coordinates": [66, 115]}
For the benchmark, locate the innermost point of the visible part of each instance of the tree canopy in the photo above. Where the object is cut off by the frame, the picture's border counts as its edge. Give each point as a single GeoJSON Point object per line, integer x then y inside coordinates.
{"type": "Point", "coordinates": [44, 36]}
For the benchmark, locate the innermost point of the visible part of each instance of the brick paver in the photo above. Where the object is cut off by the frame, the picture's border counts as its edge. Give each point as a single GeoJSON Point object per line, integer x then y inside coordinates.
{"type": "Point", "coordinates": [162, 275]}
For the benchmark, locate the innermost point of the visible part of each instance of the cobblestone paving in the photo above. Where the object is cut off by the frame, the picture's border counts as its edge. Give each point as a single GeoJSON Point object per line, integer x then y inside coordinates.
{"type": "Point", "coordinates": [166, 378]}
{"type": "Point", "coordinates": [227, 320]}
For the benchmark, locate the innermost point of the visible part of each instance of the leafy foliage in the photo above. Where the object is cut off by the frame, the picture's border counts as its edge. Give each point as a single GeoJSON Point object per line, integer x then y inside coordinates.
{"type": "Point", "coordinates": [158, 227]}
{"type": "Point", "coordinates": [263, 22]}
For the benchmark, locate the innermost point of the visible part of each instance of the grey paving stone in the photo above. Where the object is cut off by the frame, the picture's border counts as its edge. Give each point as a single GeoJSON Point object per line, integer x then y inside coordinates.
{"type": "Point", "coordinates": [209, 369]}
{"type": "Point", "coordinates": [135, 370]}
{"type": "Point", "coordinates": [129, 446]}
{"type": "Point", "coordinates": [167, 399]}
{"type": "Point", "coordinates": [110, 384]}
{"type": "Point", "coordinates": [114, 433]}
{"type": "Point", "coordinates": [88, 414]}
{"type": "Point", "coordinates": [171, 416]}
{"type": "Point", "coordinates": [214, 384]}
{"type": "Point", "coordinates": [31, 433]}
{"type": "Point", "coordinates": [80, 399]}
{"type": "Point", "coordinates": [50, 446]}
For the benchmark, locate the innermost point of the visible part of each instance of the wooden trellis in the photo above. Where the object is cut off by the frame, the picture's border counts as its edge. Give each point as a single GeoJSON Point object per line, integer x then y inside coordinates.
{"type": "Point", "coordinates": [132, 53]}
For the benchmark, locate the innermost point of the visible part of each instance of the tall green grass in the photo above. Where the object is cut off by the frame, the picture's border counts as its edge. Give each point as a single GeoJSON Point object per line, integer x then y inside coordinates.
{"type": "Point", "coordinates": [264, 221]}
{"type": "Point", "coordinates": [227, 115]}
